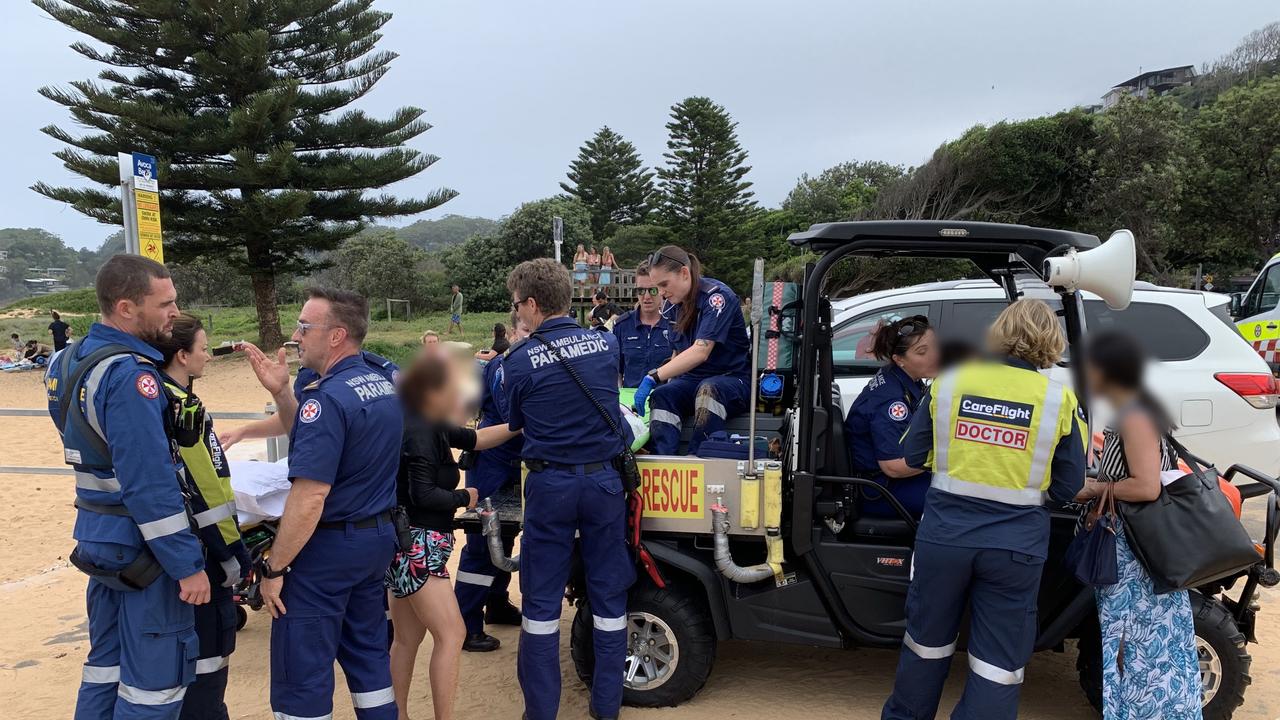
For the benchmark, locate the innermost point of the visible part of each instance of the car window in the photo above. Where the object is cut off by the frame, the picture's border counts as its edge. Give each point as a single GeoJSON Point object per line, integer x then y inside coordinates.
{"type": "Point", "coordinates": [851, 343]}
{"type": "Point", "coordinates": [1223, 313]}
{"type": "Point", "coordinates": [1165, 332]}
{"type": "Point", "coordinates": [1265, 293]}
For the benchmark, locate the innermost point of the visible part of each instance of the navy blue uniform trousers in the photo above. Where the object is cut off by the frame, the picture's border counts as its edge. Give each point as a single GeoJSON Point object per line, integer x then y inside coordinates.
{"type": "Point", "coordinates": [142, 645]}
{"type": "Point", "coordinates": [335, 610]}
{"type": "Point", "coordinates": [1001, 586]}
{"type": "Point", "coordinates": [559, 504]}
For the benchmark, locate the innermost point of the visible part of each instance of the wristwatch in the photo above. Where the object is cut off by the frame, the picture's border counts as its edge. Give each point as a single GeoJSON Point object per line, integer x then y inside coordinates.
{"type": "Point", "coordinates": [264, 570]}
{"type": "Point", "coordinates": [654, 374]}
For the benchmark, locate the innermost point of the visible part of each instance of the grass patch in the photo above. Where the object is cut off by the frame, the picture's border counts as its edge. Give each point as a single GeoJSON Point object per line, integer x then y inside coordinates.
{"type": "Point", "coordinates": [394, 339]}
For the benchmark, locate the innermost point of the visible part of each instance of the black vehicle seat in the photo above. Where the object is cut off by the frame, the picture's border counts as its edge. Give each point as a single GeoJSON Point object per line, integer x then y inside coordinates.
{"type": "Point", "coordinates": [767, 426]}
{"type": "Point", "coordinates": [884, 528]}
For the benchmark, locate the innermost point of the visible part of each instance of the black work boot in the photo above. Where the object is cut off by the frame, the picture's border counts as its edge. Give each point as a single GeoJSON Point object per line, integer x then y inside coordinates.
{"type": "Point", "coordinates": [502, 614]}
{"type": "Point", "coordinates": [480, 642]}
{"type": "Point", "coordinates": [596, 716]}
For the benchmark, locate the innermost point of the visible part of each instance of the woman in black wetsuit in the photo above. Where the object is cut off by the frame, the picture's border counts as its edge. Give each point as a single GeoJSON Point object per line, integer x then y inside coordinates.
{"type": "Point", "coordinates": [427, 486]}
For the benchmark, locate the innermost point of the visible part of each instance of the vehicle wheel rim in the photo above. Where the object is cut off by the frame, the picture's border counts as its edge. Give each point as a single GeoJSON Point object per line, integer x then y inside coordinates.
{"type": "Point", "coordinates": [1210, 669]}
{"type": "Point", "coordinates": [652, 652]}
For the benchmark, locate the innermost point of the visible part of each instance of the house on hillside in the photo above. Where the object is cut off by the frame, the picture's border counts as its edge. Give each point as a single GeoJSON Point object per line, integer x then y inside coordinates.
{"type": "Point", "coordinates": [1147, 84]}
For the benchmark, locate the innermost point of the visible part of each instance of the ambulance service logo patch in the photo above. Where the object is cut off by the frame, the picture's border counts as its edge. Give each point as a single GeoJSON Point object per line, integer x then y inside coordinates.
{"type": "Point", "coordinates": [716, 301]}
{"type": "Point", "coordinates": [898, 411]}
{"type": "Point", "coordinates": [147, 386]}
{"type": "Point", "coordinates": [309, 411]}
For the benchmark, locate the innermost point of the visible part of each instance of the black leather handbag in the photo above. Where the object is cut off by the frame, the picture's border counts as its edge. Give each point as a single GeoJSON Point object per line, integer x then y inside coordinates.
{"type": "Point", "coordinates": [1190, 535]}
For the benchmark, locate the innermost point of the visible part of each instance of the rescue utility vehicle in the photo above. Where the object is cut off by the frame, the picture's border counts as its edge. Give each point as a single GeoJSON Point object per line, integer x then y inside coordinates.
{"type": "Point", "coordinates": [773, 550]}
{"type": "Point", "coordinates": [1257, 313]}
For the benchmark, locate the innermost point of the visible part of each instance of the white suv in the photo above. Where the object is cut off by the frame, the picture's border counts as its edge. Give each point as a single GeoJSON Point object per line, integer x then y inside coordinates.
{"type": "Point", "coordinates": [1218, 390]}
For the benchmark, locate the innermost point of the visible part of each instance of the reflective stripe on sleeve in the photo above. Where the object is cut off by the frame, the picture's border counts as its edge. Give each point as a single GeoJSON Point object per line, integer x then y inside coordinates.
{"type": "Point", "coordinates": [925, 652]}
{"type": "Point", "coordinates": [609, 624]}
{"type": "Point", "coordinates": [138, 696]}
{"type": "Point", "coordinates": [540, 627]}
{"type": "Point", "coordinates": [373, 698]}
{"type": "Point", "coordinates": [213, 515]}
{"type": "Point", "coordinates": [1008, 496]}
{"type": "Point", "coordinates": [176, 522]}
{"type": "Point", "coordinates": [89, 481]}
{"type": "Point", "coordinates": [473, 578]}
{"type": "Point", "coordinates": [995, 674]}
{"type": "Point", "coordinates": [664, 416]}
{"type": "Point", "coordinates": [287, 716]}
{"type": "Point", "coordinates": [204, 666]}
{"type": "Point", "coordinates": [100, 674]}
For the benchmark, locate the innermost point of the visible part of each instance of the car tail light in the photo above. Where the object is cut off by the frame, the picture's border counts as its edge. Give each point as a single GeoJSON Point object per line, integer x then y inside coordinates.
{"type": "Point", "coordinates": [1258, 389]}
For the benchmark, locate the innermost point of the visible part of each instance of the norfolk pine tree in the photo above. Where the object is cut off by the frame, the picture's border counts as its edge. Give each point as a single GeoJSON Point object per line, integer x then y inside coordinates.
{"type": "Point", "coordinates": [610, 180]}
{"type": "Point", "coordinates": [705, 200]}
{"type": "Point", "coordinates": [239, 101]}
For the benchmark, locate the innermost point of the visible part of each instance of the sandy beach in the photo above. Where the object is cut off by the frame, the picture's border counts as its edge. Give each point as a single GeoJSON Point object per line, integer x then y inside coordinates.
{"type": "Point", "coordinates": [43, 631]}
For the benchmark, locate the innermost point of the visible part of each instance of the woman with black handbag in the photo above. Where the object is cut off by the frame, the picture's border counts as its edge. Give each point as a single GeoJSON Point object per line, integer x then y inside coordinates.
{"type": "Point", "coordinates": [1150, 667]}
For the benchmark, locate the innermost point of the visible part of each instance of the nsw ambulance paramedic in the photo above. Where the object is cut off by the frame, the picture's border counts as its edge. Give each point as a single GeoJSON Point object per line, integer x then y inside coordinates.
{"type": "Point", "coordinates": [644, 335]}
{"type": "Point", "coordinates": [133, 528]}
{"type": "Point", "coordinates": [1001, 437]}
{"type": "Point", "coordinates": [573, 494]}
{"type": "Point", "coordinates": [323, 579]}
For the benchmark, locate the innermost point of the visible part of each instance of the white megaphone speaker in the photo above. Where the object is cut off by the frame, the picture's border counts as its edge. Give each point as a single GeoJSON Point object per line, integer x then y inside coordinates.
{"type": "Point", "coordinates": [1106, 271]}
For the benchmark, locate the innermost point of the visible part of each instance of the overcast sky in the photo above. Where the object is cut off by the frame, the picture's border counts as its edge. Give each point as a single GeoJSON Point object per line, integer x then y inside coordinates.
{"type": "Point", "coordinates": [513, 88]}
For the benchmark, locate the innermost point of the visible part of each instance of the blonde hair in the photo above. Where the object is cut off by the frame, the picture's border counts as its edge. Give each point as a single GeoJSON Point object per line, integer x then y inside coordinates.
{"type": "Point", "coordinates": [429, 333]}
{"type": "Point", "coordinates": [1028, 330]}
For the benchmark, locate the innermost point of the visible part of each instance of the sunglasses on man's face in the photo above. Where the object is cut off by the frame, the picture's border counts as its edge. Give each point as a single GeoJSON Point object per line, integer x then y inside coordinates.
{"type": "Point", "coordinates": [648, 291]}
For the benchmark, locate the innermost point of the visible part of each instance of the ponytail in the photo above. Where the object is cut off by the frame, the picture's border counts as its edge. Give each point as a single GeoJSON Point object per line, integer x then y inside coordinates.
{"type": "Point", "coordinates": [671, 258]}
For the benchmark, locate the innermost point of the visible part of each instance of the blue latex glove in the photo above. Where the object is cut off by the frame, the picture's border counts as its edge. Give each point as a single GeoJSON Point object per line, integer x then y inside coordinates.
{"type": "Point", "coordinates": [642, 394]}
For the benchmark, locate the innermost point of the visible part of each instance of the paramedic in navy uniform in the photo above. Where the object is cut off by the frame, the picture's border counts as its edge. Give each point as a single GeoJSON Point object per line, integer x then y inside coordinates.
{"type": "Point", "coordinates": [323, 580]}
{"type": "Point", "coordinates": [881, 414]}
{"type": "Point", "coordinates": [710, 374]}
{"type": "Point", "coordinates": [644, 335]}
{"type": "Point", "coordinates": [572, 488]}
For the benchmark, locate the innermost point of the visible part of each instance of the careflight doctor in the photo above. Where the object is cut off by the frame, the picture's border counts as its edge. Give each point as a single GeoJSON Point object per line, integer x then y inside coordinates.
{"type": "Point", "coordinates": [999, 436]}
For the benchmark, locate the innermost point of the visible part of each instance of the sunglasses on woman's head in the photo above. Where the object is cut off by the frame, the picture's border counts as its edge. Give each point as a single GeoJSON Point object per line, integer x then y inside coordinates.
{"type": "Point", "coordinates": [658, 256]}
{"type": "Point", "coordinates": [914, 324]}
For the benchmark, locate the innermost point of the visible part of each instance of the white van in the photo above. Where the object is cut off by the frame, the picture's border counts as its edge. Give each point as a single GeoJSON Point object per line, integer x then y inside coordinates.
{"type": "Point", "coordinates": [1257, 313]}
{"type": "Point", "coordinates": [1219, 392]}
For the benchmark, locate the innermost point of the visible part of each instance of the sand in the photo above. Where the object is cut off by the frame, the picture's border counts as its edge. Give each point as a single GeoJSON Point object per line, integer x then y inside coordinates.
{"type": "Point", "coordinates": [43, 637]}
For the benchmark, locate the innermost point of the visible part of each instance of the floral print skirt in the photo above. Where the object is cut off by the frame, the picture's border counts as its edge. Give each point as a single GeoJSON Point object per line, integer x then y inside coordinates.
{"type": "Point", "coordinates": [1150, 669]}
{"type": "Point", "coordinates": [409, 570]}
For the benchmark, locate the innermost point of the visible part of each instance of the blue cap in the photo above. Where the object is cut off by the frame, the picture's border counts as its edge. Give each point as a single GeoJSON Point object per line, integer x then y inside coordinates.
{"type": "Point", "coordinates": [771, 385]}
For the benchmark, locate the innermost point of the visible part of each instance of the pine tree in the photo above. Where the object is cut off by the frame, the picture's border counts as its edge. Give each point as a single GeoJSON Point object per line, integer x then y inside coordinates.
{"type": "Point", "coordinates": [610, 180]}
{"type": "Point", "coordinates": [240, 102]}
{"type": "Point", "coordinates": [705, 200]}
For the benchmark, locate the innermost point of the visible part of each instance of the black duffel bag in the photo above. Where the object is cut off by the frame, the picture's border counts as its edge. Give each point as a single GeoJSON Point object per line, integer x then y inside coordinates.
{"type": "Point", "coordinates": [1190, 535]}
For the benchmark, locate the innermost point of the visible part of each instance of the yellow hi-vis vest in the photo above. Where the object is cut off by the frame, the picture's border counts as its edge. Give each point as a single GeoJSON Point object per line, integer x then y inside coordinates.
{"type": "Point", "coordinates": [995, 428]}
{"type": "Point", "coordinates": [211, 478]}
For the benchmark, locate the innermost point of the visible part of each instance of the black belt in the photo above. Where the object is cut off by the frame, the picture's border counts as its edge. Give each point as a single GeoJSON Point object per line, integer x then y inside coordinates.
{"type": "Point", "coordinates": [365, 524]}
{"type": "Point", "coordinates": [540, 465]}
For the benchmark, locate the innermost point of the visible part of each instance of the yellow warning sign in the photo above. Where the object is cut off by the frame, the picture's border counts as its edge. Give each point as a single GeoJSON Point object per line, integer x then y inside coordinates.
{"type": "Point", "coordinates": [150, 243]}
{"type": "Point", "coordinates": [673, 489]}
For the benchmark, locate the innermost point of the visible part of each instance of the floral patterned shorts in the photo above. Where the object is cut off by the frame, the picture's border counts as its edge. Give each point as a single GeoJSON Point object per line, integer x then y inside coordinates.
{"type": "Point", "coordinates": [409, 571]}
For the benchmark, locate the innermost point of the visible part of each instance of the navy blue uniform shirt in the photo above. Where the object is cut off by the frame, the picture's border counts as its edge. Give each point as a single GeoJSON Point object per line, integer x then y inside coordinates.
{"type": "Point", "coordinates": [493, 409]}
{"type": "Point", "coordinates": [385, 367]}
{"type": "Point", "coordinates": [643, 347]}
{"type": "Point", "coordinates": [560, 423]}
{"type": "Point", "coordinates": [975, 523]}
{"type": "Point", "coordinates": [879, 417]}
{"type": "Point", "coordinates": [347, 434]}
{"type": "Point", "coordinates": [719, 320]}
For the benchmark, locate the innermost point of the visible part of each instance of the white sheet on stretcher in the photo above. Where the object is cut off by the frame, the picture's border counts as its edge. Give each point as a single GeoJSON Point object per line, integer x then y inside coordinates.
{"type": "Point", "coordinates": [261, 489]}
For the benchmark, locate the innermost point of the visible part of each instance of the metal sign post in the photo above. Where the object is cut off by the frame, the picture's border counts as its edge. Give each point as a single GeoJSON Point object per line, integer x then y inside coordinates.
{"type": "Point", "coordinates": [140, 205]}
{"type": "Point", "coordinates": [557, 234]}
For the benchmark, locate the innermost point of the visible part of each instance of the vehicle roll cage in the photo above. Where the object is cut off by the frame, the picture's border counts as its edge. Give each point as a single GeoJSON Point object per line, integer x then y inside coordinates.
{"type": "Point", "coordinates": [1001, 251]}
